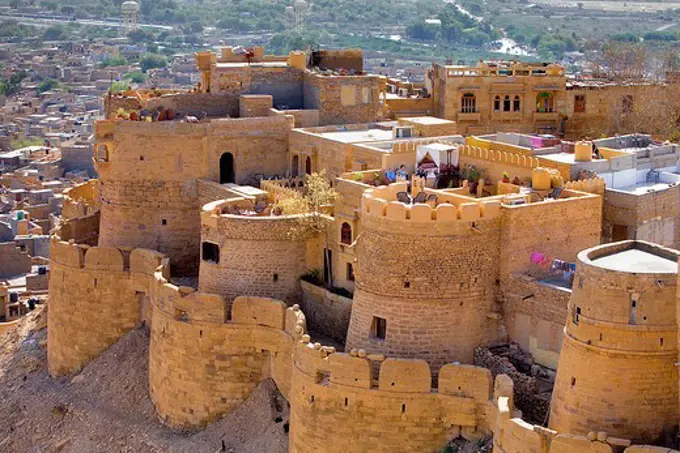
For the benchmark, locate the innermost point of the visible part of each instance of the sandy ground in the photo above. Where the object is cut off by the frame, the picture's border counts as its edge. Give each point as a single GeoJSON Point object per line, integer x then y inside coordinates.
{"type": "Point", "coordinates": [106, 408]}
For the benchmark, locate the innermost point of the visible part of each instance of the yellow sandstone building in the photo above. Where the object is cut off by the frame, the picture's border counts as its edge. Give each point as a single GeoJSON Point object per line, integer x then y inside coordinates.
{"type": "Point", "coordinates": [438, 244]}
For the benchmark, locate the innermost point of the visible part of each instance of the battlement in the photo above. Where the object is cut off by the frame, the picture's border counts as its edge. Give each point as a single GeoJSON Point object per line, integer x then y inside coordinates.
{"type": "Point", "coordinates": [513, 158]}
{"type": "Point", "coordinates": [381, 202]}
{"type": "Point", "coordinates": [80, 200]}
{"type": "Point", "coordinates": [593, 185]}
{"type": "Point", "coordinates": [237, 218]}
{"type": "Point", "coordinates": [513, 435]}
{"type": "Point", "coordinates": [110, 259]}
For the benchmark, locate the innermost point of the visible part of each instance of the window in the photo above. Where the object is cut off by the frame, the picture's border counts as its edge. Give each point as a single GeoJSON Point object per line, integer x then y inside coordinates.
{"type": "Point", "coordinates": [497, 104]}
{"type": "Point", "coordinates": [468, 103]}
{"type": "Point", "coordinates": [346, 233]}
{"type": "Point", "coordinates": [366, 95]}
{"type": "Point", "coordinates": [577, 313]}
{"type": "Point", "coordinates": [627, 104]}
{"type": "Point", "coordinates": [348, 95]}
{"type": "Point", "coordinates": [350, 272]}
{"type": "Point", "coordinates": [580, 103]}
{"type": "Point", "coordinates": [517, 104]}
{"type": "Point", "coordinates": [102, 154]}
{"type": "Point", "coordinates": [544, 103]}
{"type": "Point", "coordinates": [379, 328]}
{"type": "Point", "coordinates": [506, 104]}
{"type": "Point", "coordinates": [211, 252]}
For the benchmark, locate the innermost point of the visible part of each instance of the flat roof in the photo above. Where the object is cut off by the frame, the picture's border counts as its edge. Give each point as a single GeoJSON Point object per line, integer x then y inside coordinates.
{"type": "Point", "coordinates": [566, 158]}
{"type": "Point", "coordinates": [636, 260]}
{"type": "Point", "coordinates": [428, 120]}
{"type": "Point", "coordinates": [643, 188]}
{"type": "Point", "coordinates": [255, 64]}
{"type": "Point", "coordinates": [365, 135]}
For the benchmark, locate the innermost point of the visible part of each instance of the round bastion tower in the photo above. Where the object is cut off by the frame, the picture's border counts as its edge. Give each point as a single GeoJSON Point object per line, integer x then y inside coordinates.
{"type": "Point", "coordinates": [245, 254]}
{"type": "Point", "coordinates": [425, 278]}
{"type": "Point", "coordinates": [617, 370]}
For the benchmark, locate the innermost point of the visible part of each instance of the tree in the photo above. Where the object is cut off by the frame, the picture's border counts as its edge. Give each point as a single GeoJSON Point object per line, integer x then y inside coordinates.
{"type": "Point", "coordinates": [151, 61]}
{"type": "Point", "coordinates": [136, 77]}
{"type": "Point", "coordinates": [55, 33]}
{"type": "Point", "coordinates": [47, 85]}
{"type": "Point", "coordinates": [313, 208]}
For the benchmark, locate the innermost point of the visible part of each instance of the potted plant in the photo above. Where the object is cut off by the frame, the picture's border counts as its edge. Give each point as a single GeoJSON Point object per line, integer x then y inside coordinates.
{"type": "Point", "coordinates": [506, 177]}
{"type": "Point", "coordinates": [473, 176]}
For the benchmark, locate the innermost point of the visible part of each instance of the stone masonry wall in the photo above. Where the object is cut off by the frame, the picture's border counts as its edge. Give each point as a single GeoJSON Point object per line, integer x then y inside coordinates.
{"type": "Point", "coordinates": [338, 405]}
{"type": "Point", "coordinates": [93, 301]}
{"type": "Point", "coordinates": [431, 280]}
{"type": "Point", "coordinates": [148, 185]}
{"type": "Point", "coordinates": [259, 256]}
{"type": "Point", "coordinates": [617, 368]}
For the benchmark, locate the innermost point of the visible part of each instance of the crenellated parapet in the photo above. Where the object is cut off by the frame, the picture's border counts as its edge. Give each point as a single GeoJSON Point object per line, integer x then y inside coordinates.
{"type": "Point", "coordinates": [81, 200]}
{"type": "Point", "coordinates": [96, 295]}
{"type": "Point", "coordinates": [382, 203]}
{"type": "Point", "coordinates": [361, 401]}
{"type": "Point", "coordinates": [246, 250]}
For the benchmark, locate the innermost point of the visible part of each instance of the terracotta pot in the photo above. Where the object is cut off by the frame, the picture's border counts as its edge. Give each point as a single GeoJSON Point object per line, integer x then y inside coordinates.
{"type": "Point", "coordinates": [171, 114]}
{"type": "Point", "coordinates": [134, 116]}
{"type": "Point", "coordinates": [162, 116]}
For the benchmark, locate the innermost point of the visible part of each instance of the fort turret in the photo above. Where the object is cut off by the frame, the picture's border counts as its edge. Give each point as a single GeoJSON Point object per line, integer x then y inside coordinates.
{"type": "Point", "coordinates": [425, 277]}
{"type": "Point", "coordinates": [617, 370]}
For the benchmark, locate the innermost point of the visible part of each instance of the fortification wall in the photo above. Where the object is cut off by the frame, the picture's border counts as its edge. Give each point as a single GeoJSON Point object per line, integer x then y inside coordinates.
{"type": "Point", "coordinates": [81, 200]}
{"type": "Point", "coordinates": [258, 255]}
{"type": "Point", "coordinates": [617, 370]}
{"type": "Point", "coordinates": [336, 400]}
{"type": "Point", "coordinates": [95, 297]}
{"type": "Point", "coordinates": [148, 175]}
{"type": "Point", "coordinates": [559, 229]}
{"type": "Point", "coordinates": [429, 274]}
{"type": "Point", "coordinates": [201, 367]}
{"type": "Point", "coordinates": [496, 161]}
{"type": "Point", "coordinates": [513, 435]}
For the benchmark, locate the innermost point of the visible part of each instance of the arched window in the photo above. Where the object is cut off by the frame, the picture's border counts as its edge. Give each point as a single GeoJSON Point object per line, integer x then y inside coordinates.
{"type": "Point", "coordinates": [507, 104]}
{"type": "Point", "coordinates": [227, 168]}
{"type": "Point", "coordinates": [308, 165]}
{"type": "Point", "coordinates": [102, 153]}
{"type": "Point", "coordinates": [497, 104]}
{"type": "Point", "coordinates": [468, 103]}
{"type": "Point", "coordinates": [516, 106]}
{"type": "Point", "coordinates": [346, 233]}
{"type": "Point", "coordinates": [544, 103]}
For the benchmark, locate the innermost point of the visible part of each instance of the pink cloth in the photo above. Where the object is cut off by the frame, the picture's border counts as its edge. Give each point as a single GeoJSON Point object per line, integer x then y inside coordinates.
{"type": "Point", "coordinates": [537, 258]}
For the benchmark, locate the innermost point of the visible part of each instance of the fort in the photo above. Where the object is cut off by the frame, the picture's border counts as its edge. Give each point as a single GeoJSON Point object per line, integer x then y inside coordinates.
{"type": "Point", "coordinates": [368, 311]}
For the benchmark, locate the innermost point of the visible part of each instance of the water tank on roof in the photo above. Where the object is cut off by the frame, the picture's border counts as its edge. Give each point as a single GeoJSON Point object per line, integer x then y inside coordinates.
{"type": "Point", "coordinates": [130, 6]}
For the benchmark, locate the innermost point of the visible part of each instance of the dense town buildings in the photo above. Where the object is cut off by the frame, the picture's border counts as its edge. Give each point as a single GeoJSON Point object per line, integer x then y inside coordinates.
{"type": "Point", "coordinates": [455, 232]}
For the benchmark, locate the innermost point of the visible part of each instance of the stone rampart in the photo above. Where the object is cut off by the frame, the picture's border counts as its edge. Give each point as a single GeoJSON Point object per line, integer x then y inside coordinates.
{"type": "Point", "coordinates": [81, 200]}
{"type": "Point", "coordinates": [257, 255]}
{"type": "Point", "coordinates": [513, 435]}
{"type": "Point", "coordinates": [617, 369]}
{"type": "Point", "coordinates": [338, 400]}
{"type": "Point", "coordinates": [95, 297]}
{"type": "Point", "coordinates": [425, 278]}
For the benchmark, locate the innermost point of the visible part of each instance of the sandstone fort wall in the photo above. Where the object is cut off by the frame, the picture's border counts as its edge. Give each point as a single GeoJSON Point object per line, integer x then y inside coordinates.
{"type": "Point", "coordinates": [617, 368]}
{"type": "Point", "coordinates": [258, 256]}
{"type": "Point", "coordinates": [148, 174]}
{"type": "Point", "coordinates": [429, 273]}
